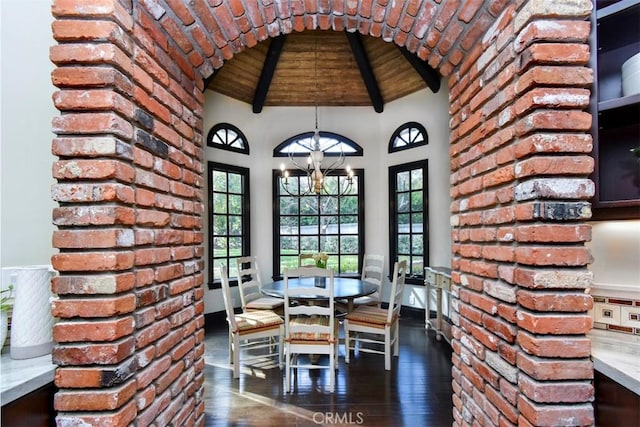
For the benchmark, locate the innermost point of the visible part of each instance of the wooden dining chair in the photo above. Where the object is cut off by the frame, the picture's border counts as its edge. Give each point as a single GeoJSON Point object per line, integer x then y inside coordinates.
{"type": "Point", "coordinates": [249, 284]}
{"type": "Point", "coordinates": [368, 327]}
{"type": "Point", "coordinates": [306, 260]}
{"type": "Point", "coordinates": [250, 331]}
{"type": "Point", "coordinates": [373, 272]}
{"type": "Point", "coordinates": [310, 328]}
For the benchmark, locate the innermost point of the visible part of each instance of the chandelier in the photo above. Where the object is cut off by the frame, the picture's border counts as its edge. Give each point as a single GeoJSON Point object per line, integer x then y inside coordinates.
{"type": "Point", "coordinates": [315, 172]}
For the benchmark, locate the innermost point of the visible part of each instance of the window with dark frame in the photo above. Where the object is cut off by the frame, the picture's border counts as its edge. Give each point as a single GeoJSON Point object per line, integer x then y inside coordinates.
{"type": "Point", "coordinates": [408, 217]}
{"type": "Point", "coordinates": [313, 223]}
{"type": "Point", "coordinates": [331, 144]}
{"type": "Point", "coordinates": [408, 135]}
{"type": "Point", "coordinates": [228, 137]}
{"type": "Point", "coordinates": [229, 218]}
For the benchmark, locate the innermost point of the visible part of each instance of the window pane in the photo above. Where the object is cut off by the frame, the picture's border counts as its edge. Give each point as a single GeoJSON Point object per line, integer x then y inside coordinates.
{"type": "Point", "coordinates": [219, 203]}
{"type": "Point", "coordinates": [404, 244]}
{"type": "Point", "coordinates": [309, 225]}
{"type": "Point", "coordinates": [331, 184]}
{"type": "Point", "coordinates": [416, 223]}
{"type": "Point", "coordinates": [235, 225]}
{"type": "Point", "coordinates": [288, 206]}
{"type": "Point", "coordinates": [329, 244]}
{"type": "Point", "coordinates": [328, 205]}
{"type": "Point", "coordinates": [328, 225]}
{"type": "Point", "coordinates": [332, 263]}
{"type": "Point", "coordinates": [219, 181]}
{"type": "Point", "coordinates": [235, 183]}
{"type": "Point", "coordinates": [289, 245]}
{"type": "Point", "coordinates": [403, 202]}
{"type": "Point", "coordinates": [416, 201]}
{"type": "Point", "coordinates": [219, 225]}
{"type": "Point", "coordinates": [416, 179]}
{"type": "Point", "coordinates": [402, 181]}
{"type": "Point", "coordinates": [304, 185]}
{"type": "Point", "coordinates": [349, 245]}
{"type": "Point", "coordinates": [216, 268]}
{"type": "Point", "coordinates": [232, 268]}
{"type": "Point", "coordinates": [349, 205]}
{"type": "Point", "coordinates": [289, 225]}
{"type": "Point", "coordinates": [349, 264]}
{"type": "Point", "coordinates": [235, 204]}
{"type": "Point", "coordinates": [405, 258]}
{"type": "Point", "coordinates": [288, 262]}
{"type": "Point", "coordinates": [417, 247]}
{"type": "Point", "coordinates": [417, 266]}
{"type": "Point", "coordinates": [349, 225]}
{"type": "Point", "coordinates": [403, 223]}
{"type": "Point", "coordinates": [309, 244]}
{"type": "Point", "coordinates": [220, 247]}
{"type": "Point", "coordinates": [309, 205]}
{"type": "Point", "coordinates": [291, 185]}
{"type": "Point", "coordinates": [235, 246]}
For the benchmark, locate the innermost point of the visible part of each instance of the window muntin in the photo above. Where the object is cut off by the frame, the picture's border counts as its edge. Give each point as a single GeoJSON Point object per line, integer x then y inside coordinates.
{"type": "Point", "coordinates": [409, 135]}
{"type": "Point", "coordinates": [330, 143]}
{"type": "Point", "coordinates": [313, 223]}
{"type": "Point", "coordinates": [408, 214]}
{"type": "Point", "coordinates": [227, 137]}
{"type": "Point", "coordinates": [229, 218]}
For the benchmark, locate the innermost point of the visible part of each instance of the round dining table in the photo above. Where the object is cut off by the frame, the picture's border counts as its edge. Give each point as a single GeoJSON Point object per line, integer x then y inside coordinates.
{"type": "Point", "coordinates": [344, 288]}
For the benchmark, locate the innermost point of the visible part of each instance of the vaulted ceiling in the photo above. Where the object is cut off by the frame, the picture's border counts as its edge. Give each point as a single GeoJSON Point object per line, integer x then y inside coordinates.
{"type": "Point", "coordinates": [324, 68]}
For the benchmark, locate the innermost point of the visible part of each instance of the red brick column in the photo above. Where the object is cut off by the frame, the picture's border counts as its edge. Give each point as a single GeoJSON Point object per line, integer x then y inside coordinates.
{"type": "Point", "coordinates": [129, 187]}
{"type": "Point", "coordinates": [520, 159]}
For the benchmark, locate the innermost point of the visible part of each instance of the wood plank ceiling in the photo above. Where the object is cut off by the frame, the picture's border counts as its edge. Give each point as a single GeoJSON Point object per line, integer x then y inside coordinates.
{"type": "Point", "coordinates": [321, 68]}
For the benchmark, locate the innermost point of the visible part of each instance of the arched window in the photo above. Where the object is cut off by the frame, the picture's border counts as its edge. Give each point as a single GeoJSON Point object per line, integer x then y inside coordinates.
{"type": "Point", "coordinates": [228, 137]}
{"type": "Point", "coordinates": [409, 135]}
{"type": "Point", "coordinates": [318, 222]}
{"type": "Point", "coordinates": [330, 144]}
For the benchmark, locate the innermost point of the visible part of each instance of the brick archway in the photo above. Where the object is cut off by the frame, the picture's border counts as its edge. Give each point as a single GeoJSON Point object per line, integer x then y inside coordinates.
{"type": "Point", "coordinates": [130, 193]}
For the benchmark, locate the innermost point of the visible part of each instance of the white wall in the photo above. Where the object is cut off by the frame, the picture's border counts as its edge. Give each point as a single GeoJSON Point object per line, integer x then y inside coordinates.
{"type": "Point", "coordinates": [26, 111]}
{"type": "Point", "coordinates": [370, 130]}
{"type": "Point", "coordinates": [615, 247]}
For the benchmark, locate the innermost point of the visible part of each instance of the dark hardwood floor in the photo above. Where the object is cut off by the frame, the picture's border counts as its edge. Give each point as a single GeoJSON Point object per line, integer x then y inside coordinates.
{"type": "Point", "coordinates": [416, 392]}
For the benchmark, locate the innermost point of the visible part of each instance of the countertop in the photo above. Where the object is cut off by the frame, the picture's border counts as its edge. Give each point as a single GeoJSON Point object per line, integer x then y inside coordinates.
{"type": "Point", "coordinates": [20, 377]}
{"type": "Point", "coordinates": [614, 354]}
{"type": "Point", "coordinates": [617, 355]}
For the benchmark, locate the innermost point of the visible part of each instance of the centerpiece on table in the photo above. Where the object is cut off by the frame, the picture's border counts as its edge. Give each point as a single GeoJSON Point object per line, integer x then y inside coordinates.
{"type": "Point", "coordinates": [320, 259]}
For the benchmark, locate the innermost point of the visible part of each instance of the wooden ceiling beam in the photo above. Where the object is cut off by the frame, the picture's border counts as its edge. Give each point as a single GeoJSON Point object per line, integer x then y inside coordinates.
{"type": "Point", "coordinates": [266, 75]}
{"type": "Point", "coordinates": [360, 55]}
{"type": "Point", "coordinates": [428, 74]}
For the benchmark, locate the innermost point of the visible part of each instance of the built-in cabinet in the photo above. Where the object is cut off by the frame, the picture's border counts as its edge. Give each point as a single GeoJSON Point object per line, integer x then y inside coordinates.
{"type": "Point", "coordinates": [616, 117]}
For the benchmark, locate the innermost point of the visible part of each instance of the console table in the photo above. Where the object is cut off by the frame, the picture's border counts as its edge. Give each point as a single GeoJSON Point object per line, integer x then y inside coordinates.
{"type": "Point", "coordinates": [437, 280]}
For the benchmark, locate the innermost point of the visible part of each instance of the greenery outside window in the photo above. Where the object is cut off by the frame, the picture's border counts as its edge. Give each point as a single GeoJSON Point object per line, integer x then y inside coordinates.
{"type": "Point", "coordinates": [313, 223]}
{"type": "Point", "coordinates": [408, 217]}
{"type": "Point", "coordinates": [229, 219]}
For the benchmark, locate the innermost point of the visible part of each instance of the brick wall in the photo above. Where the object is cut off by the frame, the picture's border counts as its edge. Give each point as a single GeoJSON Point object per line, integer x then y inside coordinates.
{"type": "Point", "coordinates": [130, 193]}
{"type": "Point", "coordinates": [130, 180]}
{"type": "Point", "coordinates": [520, 160]}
